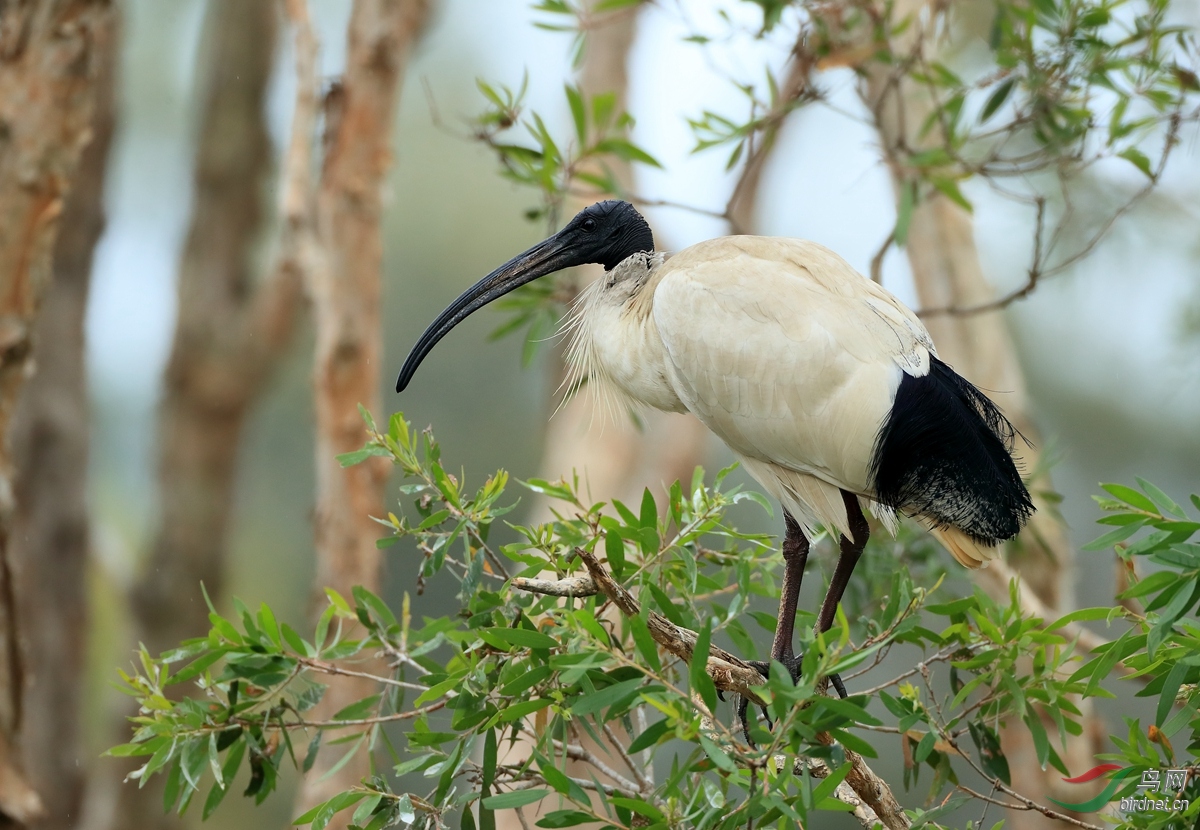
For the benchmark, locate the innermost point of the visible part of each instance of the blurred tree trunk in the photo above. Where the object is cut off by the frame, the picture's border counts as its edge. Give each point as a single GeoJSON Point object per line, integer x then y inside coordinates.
{"type": "Point", "coordinates": [345, 287]}
{"type": "Point", "coordinates": [50, 450]}
{"type": "Point", "coordinates": [230, 332]}
{"type": "Point", "coordinates": [948, 272]}
{"type": "Point", "coordinates": [50, 59]}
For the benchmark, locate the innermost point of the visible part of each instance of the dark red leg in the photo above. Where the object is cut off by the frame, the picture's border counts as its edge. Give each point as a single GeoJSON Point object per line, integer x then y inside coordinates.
{"type": "Point", "coordinates": [851, 552]}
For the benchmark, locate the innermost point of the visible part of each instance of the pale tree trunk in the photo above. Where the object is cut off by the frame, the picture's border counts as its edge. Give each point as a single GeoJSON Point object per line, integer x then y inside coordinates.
{"type": "Point", "coordinates": [230, 332]}
{"type": "Point", "coordinates": [948, 272]}
{"type": "Point", "coordinates": [345, 287]}
{"type": "Point", "coordinates": [50, 450]}
{"type": "Point", "coordinates": [51, 54]}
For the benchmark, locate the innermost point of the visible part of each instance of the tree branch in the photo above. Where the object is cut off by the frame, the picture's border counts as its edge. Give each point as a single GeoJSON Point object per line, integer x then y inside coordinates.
{"type": "Point", "coordinates": [729, 673]}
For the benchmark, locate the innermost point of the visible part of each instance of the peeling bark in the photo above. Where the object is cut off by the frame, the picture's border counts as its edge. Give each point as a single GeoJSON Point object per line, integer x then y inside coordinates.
{"type": "Point", "coordinates": [50, 59]}
{"type": "Point", "coordinates": [50, 450]}
{"type": "Point", "coordinates": [345, 286]}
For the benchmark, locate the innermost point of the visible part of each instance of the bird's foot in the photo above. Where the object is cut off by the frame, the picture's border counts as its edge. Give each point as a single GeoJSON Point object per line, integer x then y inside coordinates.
{"type": "Point", "coordinates": [793, 667]}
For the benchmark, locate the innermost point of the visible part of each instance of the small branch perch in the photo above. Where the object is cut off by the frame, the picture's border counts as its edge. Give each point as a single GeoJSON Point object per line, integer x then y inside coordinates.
{"type": "Point", "coordinates": [728, 673]}
{"type": "Point", "coordinates": [572, 586]}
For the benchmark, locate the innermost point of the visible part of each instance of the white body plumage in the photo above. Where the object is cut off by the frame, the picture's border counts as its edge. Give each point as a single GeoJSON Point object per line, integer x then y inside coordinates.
{"type": "Point", "coordinates": [780, 347]}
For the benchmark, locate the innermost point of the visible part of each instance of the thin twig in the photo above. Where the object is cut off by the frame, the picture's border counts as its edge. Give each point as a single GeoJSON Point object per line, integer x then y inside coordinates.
{"type": "Point", "coordinates": [646, 784]}
{"type": "Point", "coordinates": [578, 752]}
{"type": "Point", "coordinates": [332, 668]}
{"type": "Point", "coordinates": [1026, 803]}
{"type": "Point", "coordinates": [395, 716]}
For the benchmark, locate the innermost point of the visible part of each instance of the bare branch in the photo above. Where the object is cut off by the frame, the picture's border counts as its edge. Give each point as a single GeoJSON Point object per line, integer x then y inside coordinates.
{"type": "Point", "coordinates": [728, 673]}
{"type": "Point", "coordinates": [871, 788]}
{"type": "Point", "coordinates": [571, 586]}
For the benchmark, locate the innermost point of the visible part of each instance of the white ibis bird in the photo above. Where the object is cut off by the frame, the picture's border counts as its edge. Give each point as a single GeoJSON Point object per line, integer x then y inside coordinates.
{"type": "Point", "coordinates": [825, 386]}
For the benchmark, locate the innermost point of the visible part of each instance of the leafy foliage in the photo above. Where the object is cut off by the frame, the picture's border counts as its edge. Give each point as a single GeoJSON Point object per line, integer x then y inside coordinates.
{"type": "Point", "coordinates": [567, 673]}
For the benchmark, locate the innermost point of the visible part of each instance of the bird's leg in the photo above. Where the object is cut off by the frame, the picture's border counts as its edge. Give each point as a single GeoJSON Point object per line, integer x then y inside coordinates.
{"type": "Point", "coordinates": [795, 556]}
{"type": "Point", "coordinates": [852, 549]}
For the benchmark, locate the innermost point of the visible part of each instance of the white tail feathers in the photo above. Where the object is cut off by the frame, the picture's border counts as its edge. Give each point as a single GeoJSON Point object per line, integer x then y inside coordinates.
{"type": "Point", "coordinates": [967, 551]}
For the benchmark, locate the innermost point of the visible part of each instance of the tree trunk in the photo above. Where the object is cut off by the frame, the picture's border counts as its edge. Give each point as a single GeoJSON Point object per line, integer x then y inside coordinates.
{"type": "Point", "coordinates": [345, 286]}
{"type": "Point", "coordinates": [221, 355]}
{"type": "Point", "coordinates": [948, 272]}
{"type": "Point", "coordinates": [50, 527]}
{"type": "Point", "coordinates": [50, 59]}
{"type": "Point", "coordinates": [230, 332]}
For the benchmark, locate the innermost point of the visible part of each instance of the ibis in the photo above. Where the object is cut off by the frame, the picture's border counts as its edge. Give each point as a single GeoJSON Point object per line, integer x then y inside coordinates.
{"type": "Point", "coordinates": [827, 389]}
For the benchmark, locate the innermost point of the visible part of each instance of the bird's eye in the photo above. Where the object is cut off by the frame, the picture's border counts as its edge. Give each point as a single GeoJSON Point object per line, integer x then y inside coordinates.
{"type": "Point", "coordinates": [589, 224]}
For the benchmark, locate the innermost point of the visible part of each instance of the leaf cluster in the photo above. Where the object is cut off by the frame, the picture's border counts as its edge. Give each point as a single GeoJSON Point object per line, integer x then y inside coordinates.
{"type": "Point", "coordinates": [565, 673]}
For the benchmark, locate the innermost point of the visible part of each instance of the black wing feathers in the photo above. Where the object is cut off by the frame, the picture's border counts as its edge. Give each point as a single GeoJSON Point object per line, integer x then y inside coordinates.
{"type": "Point", "coordinates": [945, 453]}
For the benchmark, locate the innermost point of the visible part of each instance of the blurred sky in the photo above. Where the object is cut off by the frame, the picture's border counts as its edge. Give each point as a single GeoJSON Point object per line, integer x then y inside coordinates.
{"type": "Point", "coordinates": [1115, 383]}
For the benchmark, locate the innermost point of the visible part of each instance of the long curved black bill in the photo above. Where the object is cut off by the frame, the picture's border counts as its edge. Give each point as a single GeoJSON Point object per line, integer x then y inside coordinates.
{"type": "Point", "coordinates": [544, 258]}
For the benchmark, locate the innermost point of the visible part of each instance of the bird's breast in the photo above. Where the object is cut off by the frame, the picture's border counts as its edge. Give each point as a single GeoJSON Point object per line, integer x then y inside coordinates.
{"type": "Point", "coordinates": [616, 346]}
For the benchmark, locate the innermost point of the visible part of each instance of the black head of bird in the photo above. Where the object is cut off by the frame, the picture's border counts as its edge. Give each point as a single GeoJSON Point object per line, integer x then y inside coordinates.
{"type": "Point", "coordinates": [605, 233]}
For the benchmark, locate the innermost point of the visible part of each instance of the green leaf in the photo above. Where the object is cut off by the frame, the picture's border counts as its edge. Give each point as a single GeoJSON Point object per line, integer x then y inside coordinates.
{"type": "Point", "coordinates": [520, 798]}
{"type": "Point", "coordinates": [356, 711]}
{"type": "Point", "coordinates": [507, 638]}
{"type": "Point", "coordinates": [1156, 581]}
{"type": "Point", "coordinates": [1165, 503]}
{"type": "Point", "coordinates": [650, 737]}
{"type": "Point", "coordinates": [1041, 743]}
{"type": "Point", "coordinates": [564, 818]}
{"type": "Point", "coordinates": [614, 549]}
{"type": "Point", "coordinates": [608, 696]}
{"type": "Point", "coordinates": [487, 818]}
{"type": "Point", "coordinates": [949, 188]}
{"type": "Point", "coordinates": [1131, 497]}
{"type": "Point", "coordinates": [518, 710]}
{"type": "Point", "coordinates": [1138, 159]}
{"type": "Point", "coordinates": [924, 747]}
{"type": "Point", "coordinates": [545, 488]}
{"type": "Point", "coordinates": [645, 643]}
{"type": "Point", "coordinates": [649, 516]}
{"type": "Point", "coordinates": [365, 598]}
{"type": "Point", "coordinates": [626, 151]}
{"type": "Point", "coordinates": [904, 211]}
{"type": "Point", "coordinates": [997, 99]}
{"type": "Point", "coordinates": [698, 669]}
{"type": "Point", "coordinates": [717, 755]}
{"type": "Point", "coordinates": [366, 809]}
{"type": "Point", "coordinates": [1113, 536]}
{"type": "Point", "coordinates": [578, 113]}
{"type": "Point", "coordinates": [1166, 700]}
